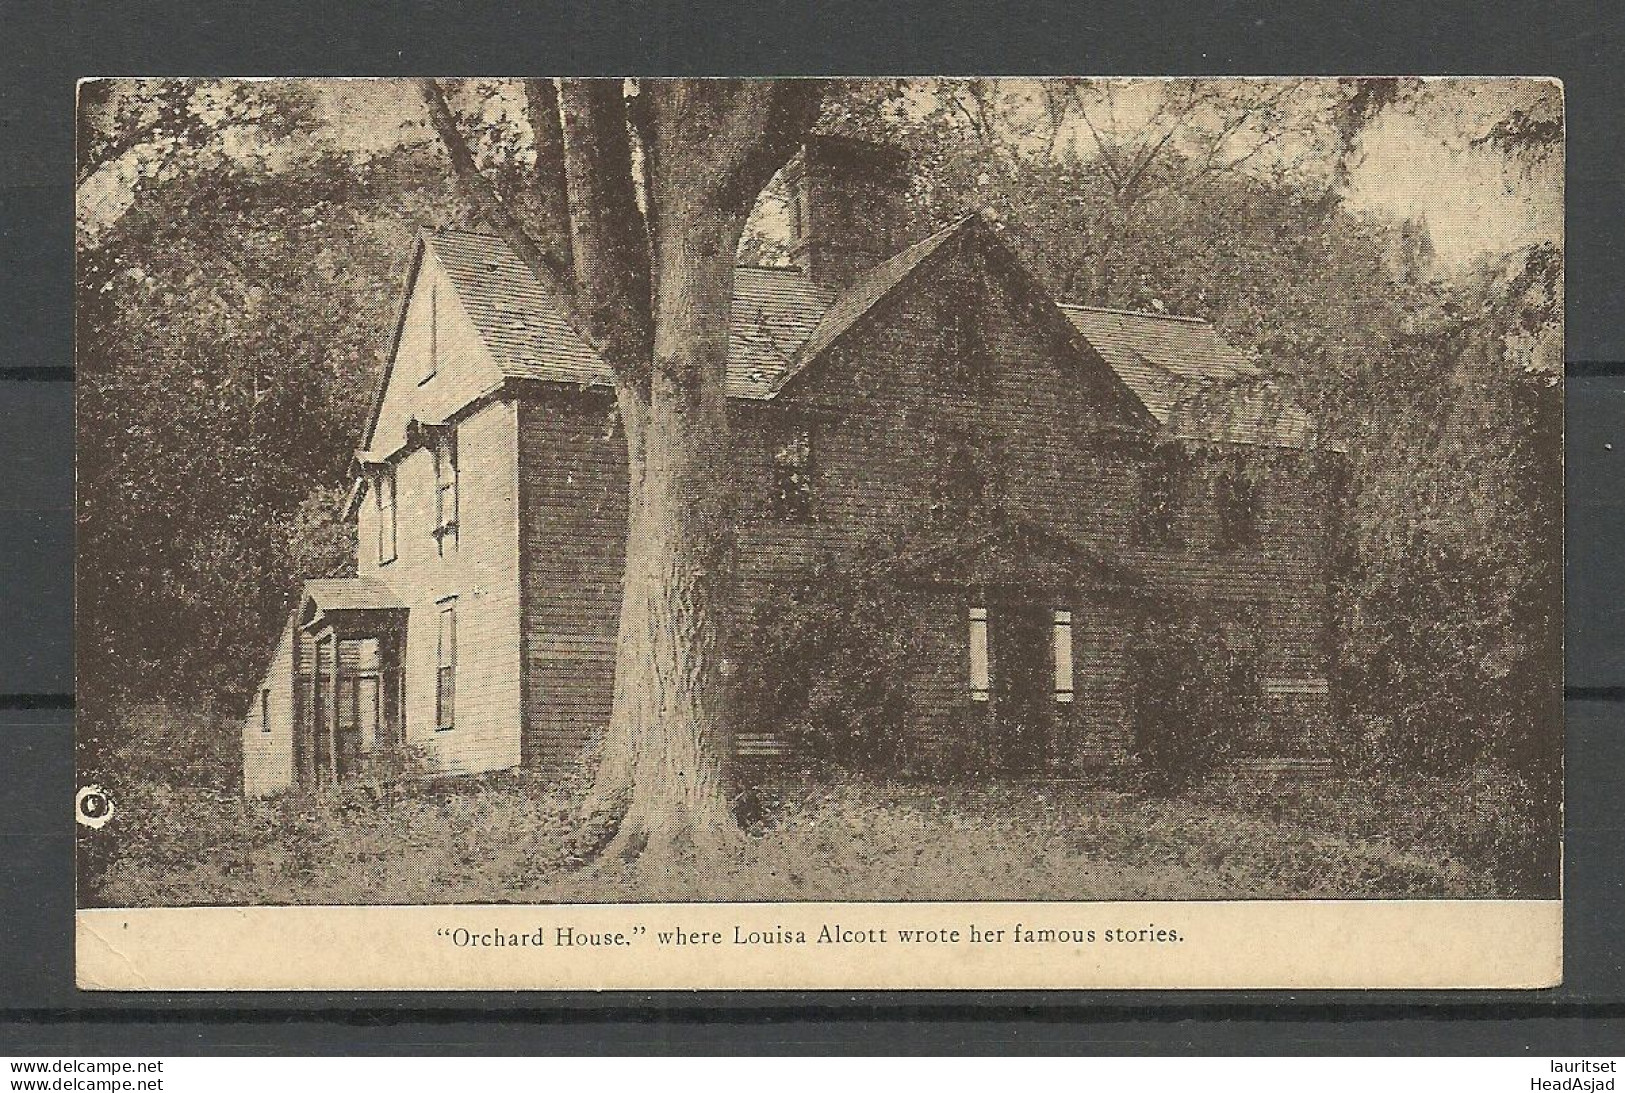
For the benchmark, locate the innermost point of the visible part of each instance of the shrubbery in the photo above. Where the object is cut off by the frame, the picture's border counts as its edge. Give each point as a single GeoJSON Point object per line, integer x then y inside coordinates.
{"type": "Point", "coordinates": [829, 663]}
{"type": "Point", "coordinates": [1195, 694]}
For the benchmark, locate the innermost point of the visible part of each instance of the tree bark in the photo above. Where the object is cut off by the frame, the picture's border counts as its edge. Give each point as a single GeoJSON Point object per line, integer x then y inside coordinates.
{"type": "Point", "coordinates": [650, 286]}
{"type": "Point", "coordinates": [668, 756]}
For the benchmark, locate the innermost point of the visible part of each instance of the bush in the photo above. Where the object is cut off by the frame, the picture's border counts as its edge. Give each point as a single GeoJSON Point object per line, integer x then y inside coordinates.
{"type": "Point", "coordinates": [166, 742]}
{"type": "Point", "coordinates": [1195, 694]}
{"type": "Point", "coordinates": [829, 664]}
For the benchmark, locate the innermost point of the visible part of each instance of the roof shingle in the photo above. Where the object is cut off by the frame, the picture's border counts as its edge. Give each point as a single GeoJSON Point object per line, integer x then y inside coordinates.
{"type": "Point", "coordinates": [1193, 381]}
{"type": "Point", "coordinates": [781, 321]}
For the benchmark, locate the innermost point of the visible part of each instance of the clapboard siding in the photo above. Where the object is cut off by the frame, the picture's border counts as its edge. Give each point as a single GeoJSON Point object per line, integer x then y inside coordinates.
{"type": "Point", "coordinates": [481, 571]}
{"type": "Point", "coordinates": [268, 743]}
{"type": "Point", "coordinates": [462, 368]}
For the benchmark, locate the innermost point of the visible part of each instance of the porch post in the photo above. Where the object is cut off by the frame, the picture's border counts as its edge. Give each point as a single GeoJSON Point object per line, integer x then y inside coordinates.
{"type": "Point", "coordinates": [312, 712]}
{"type": "Point", "coordinates": [333, 722]}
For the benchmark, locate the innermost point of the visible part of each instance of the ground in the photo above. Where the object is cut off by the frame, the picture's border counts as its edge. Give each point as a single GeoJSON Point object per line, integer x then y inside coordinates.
{"type": "Point", "coordinates": [512, 838]}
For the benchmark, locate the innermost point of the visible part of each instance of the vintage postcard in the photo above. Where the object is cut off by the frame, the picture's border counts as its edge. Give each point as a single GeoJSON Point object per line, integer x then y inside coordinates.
{"type": "Point", "coordinates": [854, 533]}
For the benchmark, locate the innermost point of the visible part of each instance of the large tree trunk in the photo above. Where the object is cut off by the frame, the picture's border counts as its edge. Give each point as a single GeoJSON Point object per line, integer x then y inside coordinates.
{"type": "Point", "coordinates": [669, 748]}
{"type": "Point", "coordinates": [649, 285]}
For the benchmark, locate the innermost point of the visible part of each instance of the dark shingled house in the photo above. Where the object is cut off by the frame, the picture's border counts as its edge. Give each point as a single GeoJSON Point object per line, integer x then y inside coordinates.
{"type": "Point", "coordinates": [1117, 460]}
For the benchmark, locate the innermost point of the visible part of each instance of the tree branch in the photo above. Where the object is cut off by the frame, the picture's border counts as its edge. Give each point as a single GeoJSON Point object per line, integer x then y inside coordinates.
{"type": "Point", "coordinates": [555, 275]}
{"type": "Point", "coordinates": [542, 111]}
{"type": "Point", "coordinates": [607, 229]}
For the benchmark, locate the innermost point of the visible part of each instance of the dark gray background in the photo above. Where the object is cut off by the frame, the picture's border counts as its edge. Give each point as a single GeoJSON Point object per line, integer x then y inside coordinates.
{"type": "Point", "coordinates": [52, 43]}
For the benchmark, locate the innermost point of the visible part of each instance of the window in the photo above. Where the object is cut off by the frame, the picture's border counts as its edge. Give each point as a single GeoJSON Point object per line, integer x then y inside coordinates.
{"type": "Point", "coordinates": [1159, 499]}
{"type": "Point", "coordinates": [265, 710]}
{"type": "Point", "coordinates": [798, 210]}
{"type": "Point", "coordinates": [445, 679]}
{"type": "Point", "coordinates": [981, 678]}
{"type": "Point", "coordinates": [431, 363]}
{"type": "Point", "coordinates": [1063, 656]}
{"type": "Point", "coordinates": [1235, 495]}
{"type": "Point", "coordinates": [384, 492]}
{"type": "Point", "coordinates": [445, 488]}
{"type": "Point", "coordinates": [792, 476]}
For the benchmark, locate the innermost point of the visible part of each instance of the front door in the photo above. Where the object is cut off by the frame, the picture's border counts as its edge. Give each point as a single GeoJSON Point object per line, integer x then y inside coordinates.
{"type": "Point", "coordinates": [1023, 687]}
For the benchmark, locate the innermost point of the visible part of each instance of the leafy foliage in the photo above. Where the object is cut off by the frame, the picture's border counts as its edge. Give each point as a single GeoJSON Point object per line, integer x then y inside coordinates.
{"type": "Point", "coordinates": [829, 663]}
{"type": "Point", "coordinates": [1196, 691]}
{"type": "Point", "coordinates": [231, 326]}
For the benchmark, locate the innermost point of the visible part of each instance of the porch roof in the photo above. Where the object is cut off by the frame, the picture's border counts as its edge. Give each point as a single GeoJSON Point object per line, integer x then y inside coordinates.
{"type": "Point", "coordinates": [1011, 549]}
{"type": "Point", "coordinates": [339, 600]}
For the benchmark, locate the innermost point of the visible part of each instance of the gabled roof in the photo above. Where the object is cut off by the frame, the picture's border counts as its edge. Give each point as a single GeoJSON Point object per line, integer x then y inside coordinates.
{"type": "Point", "coordinates": [867, 290]}
{"type": "Point", "coordinates": [1193, 381]}
{"type": "Point", "coordinates": [782, 322]}
{"type": "Point", "coordinates": [774, 311]}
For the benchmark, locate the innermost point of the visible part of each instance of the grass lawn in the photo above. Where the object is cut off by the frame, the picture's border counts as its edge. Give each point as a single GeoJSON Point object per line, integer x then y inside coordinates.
{"type": "Point", "coordinates": [511, 838]}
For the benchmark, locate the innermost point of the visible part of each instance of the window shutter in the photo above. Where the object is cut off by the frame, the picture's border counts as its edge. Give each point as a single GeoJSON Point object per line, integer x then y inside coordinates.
{"type": "Point", "coordinates": [980, 674]}
{"type": "Point", "coordinates": [445, 697]}
{"type": "Point", "coordinates": [1063, 656]}
{"type": "Point", "coordinates": [385, 491]}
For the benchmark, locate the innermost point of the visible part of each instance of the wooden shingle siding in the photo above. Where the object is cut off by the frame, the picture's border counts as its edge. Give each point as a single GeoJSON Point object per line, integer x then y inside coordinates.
{"type": "Point", "coordinates": [872, 410]}
{"type": "Point", "coordinates": [573, 483]}
{"type": "Point", "coordinates": [872, 407]}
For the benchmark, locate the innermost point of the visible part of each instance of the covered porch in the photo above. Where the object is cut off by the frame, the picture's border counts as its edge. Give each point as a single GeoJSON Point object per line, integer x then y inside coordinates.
{"type": "Point", "coordinates": [1023, 670]}
{"type": "Point", "coordinates": [350, 634]}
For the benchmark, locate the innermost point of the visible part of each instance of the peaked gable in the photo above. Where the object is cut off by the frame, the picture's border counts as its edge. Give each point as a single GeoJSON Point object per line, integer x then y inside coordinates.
{"type": "Point", "coordinates": [438, 360]}
{"type": "Point", "coordinates": [501, 324]}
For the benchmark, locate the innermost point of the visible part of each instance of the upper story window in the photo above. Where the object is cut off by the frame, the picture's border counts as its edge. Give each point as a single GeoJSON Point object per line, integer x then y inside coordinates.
{"type": "Point", "coordinates": [445, 488]}
{"type": "Point", "coordinates": [431, 359]}
{"type": "Point", "coordinates": [384, 496]}
{"type": "Point", "coordinates": [1160, 489]}
{"type": "Point", "coordinates": [1235, 496]}
{"type": "Point", "coordinates": [792, 475]}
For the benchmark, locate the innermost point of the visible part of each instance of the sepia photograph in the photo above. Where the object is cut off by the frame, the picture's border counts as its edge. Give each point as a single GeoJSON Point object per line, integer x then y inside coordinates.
{"type": "Point", "coordinates": [775, 492]}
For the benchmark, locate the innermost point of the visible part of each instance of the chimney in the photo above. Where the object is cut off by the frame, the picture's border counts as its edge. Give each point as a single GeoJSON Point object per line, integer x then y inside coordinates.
{"type": "Point", "coordinates": [848, 206]}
